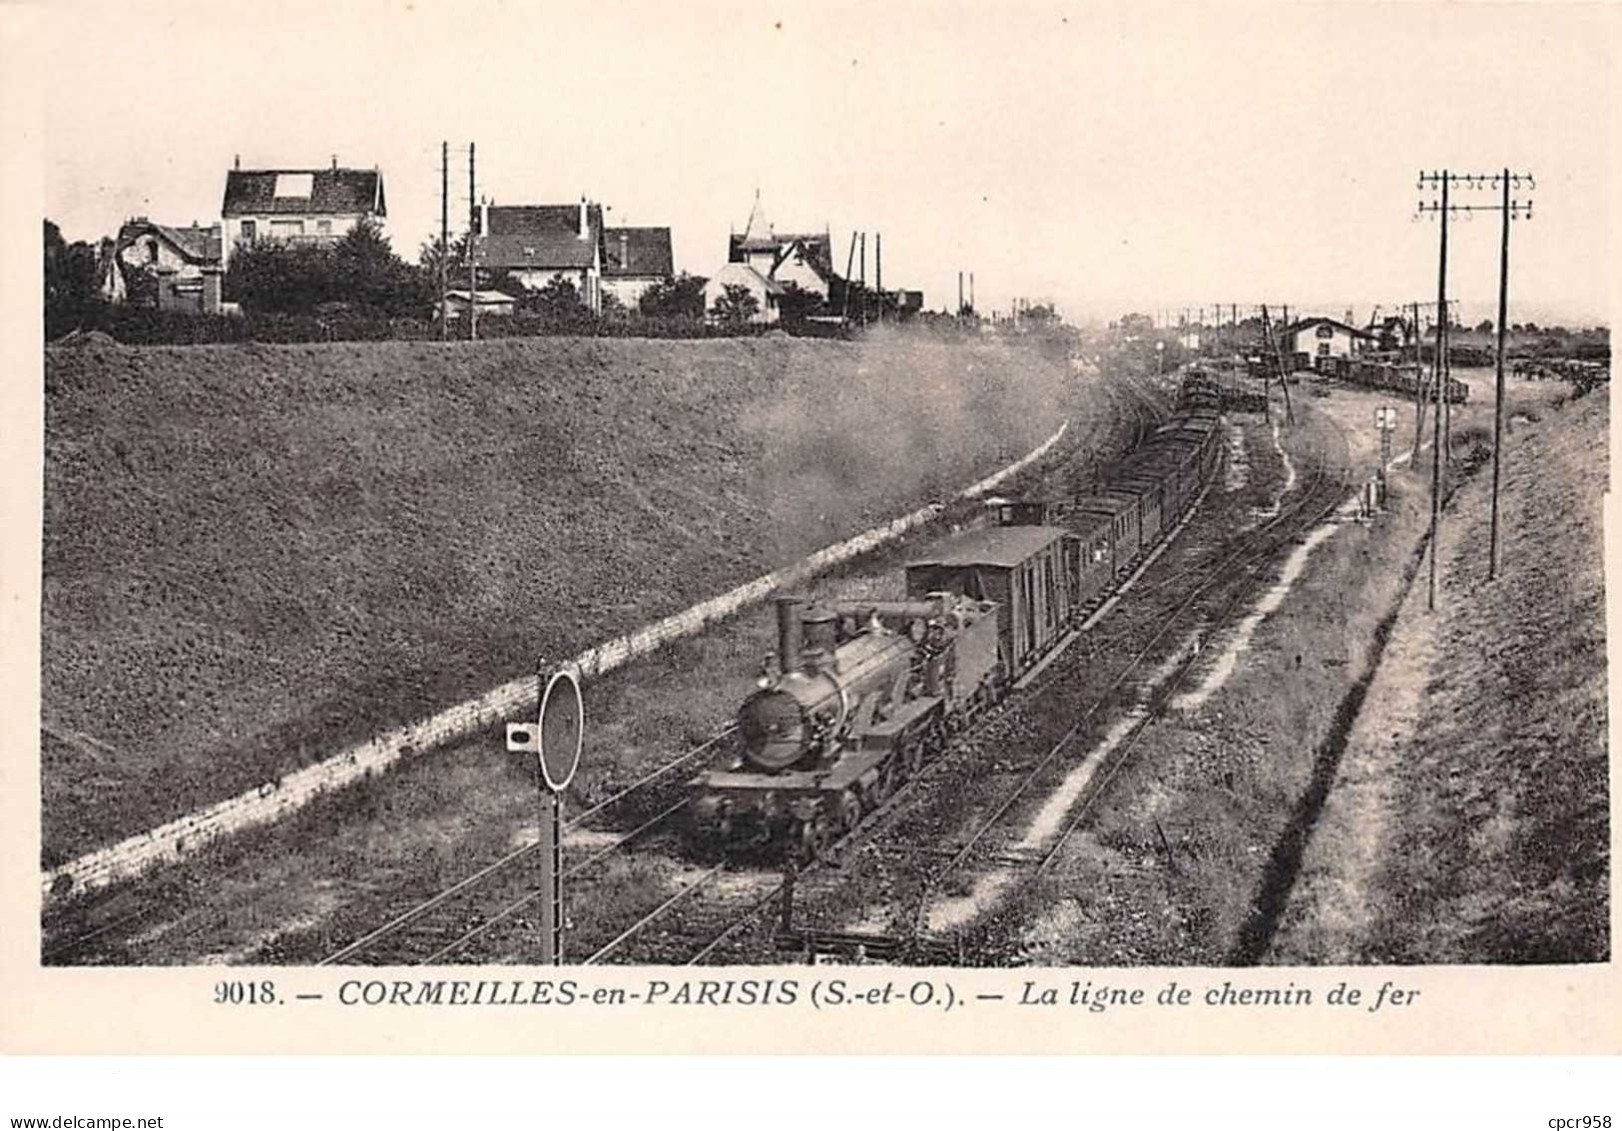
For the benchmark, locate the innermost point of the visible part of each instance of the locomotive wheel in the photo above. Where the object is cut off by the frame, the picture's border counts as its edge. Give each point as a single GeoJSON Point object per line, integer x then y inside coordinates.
{"type": "Point", "coordinates": [871, 798]}
{"type": "Point", "coordinates": [850, 811]}
{"type": "Point", "coordinates": [822, 835]}
{"type": "Point", "coordinates": [886, 783]}
{"type": "Point", "coordinates": [913, 757]}
{"type": "Point", "coordinates": [805, 849]}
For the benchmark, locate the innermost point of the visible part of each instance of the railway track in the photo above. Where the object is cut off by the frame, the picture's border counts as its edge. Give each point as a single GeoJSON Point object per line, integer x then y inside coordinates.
{"type": "Point", "coordinates": [482, 916]}
{"type": "Point", "coordinates": [702, 906]}
{"type": "Point", "coordinates": [667, 920]}
{"type": "Point", "coordinates": [1036, 757]}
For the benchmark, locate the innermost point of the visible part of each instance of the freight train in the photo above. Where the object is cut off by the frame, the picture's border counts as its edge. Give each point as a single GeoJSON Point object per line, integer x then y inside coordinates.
{"type": "Point", "coordinates": [1404, 379]}
{"type": "Point", "coordinates": [860, 694]}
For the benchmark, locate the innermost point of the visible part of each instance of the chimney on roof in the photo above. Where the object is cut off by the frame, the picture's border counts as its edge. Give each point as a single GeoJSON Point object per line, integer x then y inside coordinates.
{"type": "Point", "coordinates": [236, 162]}
{"type": "Point", "coordinates": [583, 232]}
{"type": "Point", "coordinates": [334, 162]}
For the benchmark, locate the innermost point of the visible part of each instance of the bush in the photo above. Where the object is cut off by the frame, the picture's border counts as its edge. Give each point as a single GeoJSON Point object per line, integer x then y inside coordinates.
{"type": "Point", "coordinates": [147, 326]}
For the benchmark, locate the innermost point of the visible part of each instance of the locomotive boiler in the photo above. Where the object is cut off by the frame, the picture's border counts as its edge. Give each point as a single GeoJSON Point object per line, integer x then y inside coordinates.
{"type": "Point", "coordinates": [858, 695]}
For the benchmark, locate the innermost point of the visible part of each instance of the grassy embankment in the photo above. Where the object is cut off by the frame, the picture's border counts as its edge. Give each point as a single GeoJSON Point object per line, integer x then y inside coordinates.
{"type": "Point", "coordinates": [254, 555]}
{"type": "Point", "coordinates": [1470, 823]}
{"type": "Point", "coordinates": [1235, 788]}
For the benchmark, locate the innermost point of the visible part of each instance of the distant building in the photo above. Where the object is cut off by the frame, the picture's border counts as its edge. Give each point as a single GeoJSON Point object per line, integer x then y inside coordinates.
{"type": "Point", "coordinates": [804, 259]}
{"type": "Point", "coordinates": [161, 265]}
{"type": "Point", "coordinates": [767, 291]}
{"type": "Point", "coordinates": [488, 302]}
{"type": "Point", "coordinates": [533, 244]}
{"type": "Point", "coordinates": [636, 260]}
{"type": "Point", "coordinates": [317, 206]}
{"type": "Point", "coordinates": [1392, 332]}
{"type": "Point", "coordinates": [1323, 338]}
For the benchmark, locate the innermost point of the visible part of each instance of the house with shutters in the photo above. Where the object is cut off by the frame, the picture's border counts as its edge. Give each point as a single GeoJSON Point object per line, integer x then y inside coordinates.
{"type": "Point", "coordinates": [533, 244]}
{"type": "Point", "coordinates": [297, 205]}
{"type": "Point", "coordinates": [161, 265]}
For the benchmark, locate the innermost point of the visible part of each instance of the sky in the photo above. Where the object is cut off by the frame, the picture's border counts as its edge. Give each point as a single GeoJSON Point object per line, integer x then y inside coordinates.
{"type": "Point", "coordinates": [1104, 158]}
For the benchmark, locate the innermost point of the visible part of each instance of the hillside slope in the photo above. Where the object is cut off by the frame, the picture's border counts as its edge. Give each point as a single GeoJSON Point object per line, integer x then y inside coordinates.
{"type": "Point", "coordinates": [253, 554]}
{"type": "Point", "coordinates": [1471, 820]}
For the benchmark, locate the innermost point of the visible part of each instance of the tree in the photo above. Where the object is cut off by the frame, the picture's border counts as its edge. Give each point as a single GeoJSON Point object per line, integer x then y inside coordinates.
{"type": "Point", "coordinates": [366, 272]}
{"type": "Point", "coordinates": [70, 279]}
{"type": "Point", "coordinates": [431, 253]}
{"type": "Point", "coordinates": [1137, 325]}
{"type": "Point", "coordinates": [681, 297]}
{"type": "Point", "coordinates": [796, 303]}
{"type": "Point", "coordinates": [360, 270]}
{"type": "Point", "coordinates": [1484, 326]}
{"type": "Point", "coordinates": [736, 305]}
{"type": "Point", "coordinates": [559, 298]}
{"type": "Point", "coordinates": [273, 278]}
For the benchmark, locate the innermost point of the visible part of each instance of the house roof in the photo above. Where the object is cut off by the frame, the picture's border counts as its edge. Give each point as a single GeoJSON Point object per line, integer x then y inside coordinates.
{"type": "Point", "coordinates": [733, 273]}
{"type": "Point", "coordinates": [779, 240]}
{"type": "Point", "coordinates": [539, 250]}
{"type": "Point", "coordinates": [303, 192]}
{"type": "Point", "coordinates": [535, 219]}
{"type": "Point", "coordinates": [1308, 323]}
{"type": "Point", "coordinates": [194, 242]}
{"type": "Point", "coordinates": [1000, 546]}
{"type": "Point", "coordinates": [486, 298]}
{"type": "Point", "coordinates": [817, 252]}
{"type": "Point", "coordinates": [637, 251]}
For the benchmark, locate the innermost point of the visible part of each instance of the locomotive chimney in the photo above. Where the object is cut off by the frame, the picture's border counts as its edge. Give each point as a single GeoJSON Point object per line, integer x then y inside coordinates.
{"type": "Point", "coordinates": [788, 633]}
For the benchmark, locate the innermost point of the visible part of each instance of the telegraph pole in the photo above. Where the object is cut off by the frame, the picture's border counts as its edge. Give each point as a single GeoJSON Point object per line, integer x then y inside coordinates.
{"type": "Point", "coordinates": [1436, 382]}
{"type": "Point", "coordinates": [472, 252]}
{"type": "Point", "coordinates": [1419, 387]}
{"type": "Point", "coordinates": [444, 238]}
{"type": "Point", "coordinates": [850, 259]}
{"type": "Point", "coordinates": [864, 279]}
{"type": "Point", "coordinates": [878, 270]}
{"type": "Point", "coordinates": [1510, 209]}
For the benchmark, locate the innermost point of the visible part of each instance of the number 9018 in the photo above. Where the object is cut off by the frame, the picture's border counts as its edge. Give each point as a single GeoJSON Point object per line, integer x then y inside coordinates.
{"type": "Point", "coordinates": [244, 993]}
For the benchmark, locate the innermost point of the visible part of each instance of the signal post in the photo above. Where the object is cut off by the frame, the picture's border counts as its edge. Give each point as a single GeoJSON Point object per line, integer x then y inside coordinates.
{"type": "Point", "coordinates": [555, 738]}
{"type": "Point", "coordinates": [1385, 419]}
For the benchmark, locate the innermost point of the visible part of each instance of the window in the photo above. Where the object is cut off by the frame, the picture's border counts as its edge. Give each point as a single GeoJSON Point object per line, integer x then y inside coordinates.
{"type": "Point", "coordinates": [285, 229]}
{"type": "Point", "coordinates": [1323, 349]}
{"type": "Point", "coordinates": [323, 227]}
{"type": "Point", "coordinates": [151, 251]}
{"type": "Point", "coordinates": [250, 231]}
{"type": "Point", "coordinates": [295, 185]}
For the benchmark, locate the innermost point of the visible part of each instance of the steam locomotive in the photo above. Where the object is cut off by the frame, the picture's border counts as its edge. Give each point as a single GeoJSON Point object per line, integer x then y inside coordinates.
{"type": "Point", "coordinates": [862, 693]}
